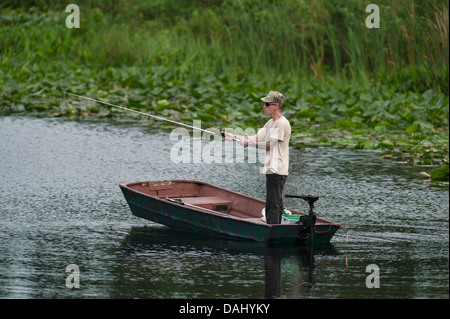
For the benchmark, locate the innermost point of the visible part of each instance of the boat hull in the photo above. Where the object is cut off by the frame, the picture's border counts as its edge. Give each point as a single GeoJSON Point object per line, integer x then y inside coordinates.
{"type": "Point", "coordinates": [194, 218]}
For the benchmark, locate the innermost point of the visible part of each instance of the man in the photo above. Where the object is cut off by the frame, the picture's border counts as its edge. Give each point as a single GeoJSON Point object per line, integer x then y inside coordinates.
{"type": "Point", "coordinates": [274, 138]}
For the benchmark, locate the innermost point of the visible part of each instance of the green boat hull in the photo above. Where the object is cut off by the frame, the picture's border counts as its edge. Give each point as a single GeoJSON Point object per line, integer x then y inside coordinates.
{"type": "Point", "coordinates": [186, 217]}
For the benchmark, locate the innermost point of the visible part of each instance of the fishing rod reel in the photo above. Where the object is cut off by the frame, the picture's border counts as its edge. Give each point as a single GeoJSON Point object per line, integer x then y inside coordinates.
{"type": "Point", "coordinates": [223, 134]}
{"type": "Point", "coordinates": [306, 222]}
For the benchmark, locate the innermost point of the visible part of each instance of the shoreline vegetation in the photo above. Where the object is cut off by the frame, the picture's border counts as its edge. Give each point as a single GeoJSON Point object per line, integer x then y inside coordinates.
{"type": "Point", "coordinates": [346, 85]}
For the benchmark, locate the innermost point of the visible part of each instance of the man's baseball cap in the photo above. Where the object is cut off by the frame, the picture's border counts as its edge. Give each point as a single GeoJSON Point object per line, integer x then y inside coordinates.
{"type": "Point", "coordinates": [273, 97]}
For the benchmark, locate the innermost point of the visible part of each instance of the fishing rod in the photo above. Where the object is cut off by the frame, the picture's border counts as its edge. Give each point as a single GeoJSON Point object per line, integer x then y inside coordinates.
{"type": "Point", "coordinates": [221, 132]}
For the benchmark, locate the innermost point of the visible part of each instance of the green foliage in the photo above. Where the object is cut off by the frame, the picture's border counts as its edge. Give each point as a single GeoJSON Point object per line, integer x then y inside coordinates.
{"type": "Point", "coordinates": [269, 40]}
{"type": "Point", "coordinates": [213, 60]}
{"type": "Point", "coordinates": [440, 174]}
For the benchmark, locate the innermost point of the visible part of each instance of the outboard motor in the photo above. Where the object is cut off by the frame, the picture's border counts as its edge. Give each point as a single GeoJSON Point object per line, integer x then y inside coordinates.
{"type": "Point", "coordinates": [307, 222]}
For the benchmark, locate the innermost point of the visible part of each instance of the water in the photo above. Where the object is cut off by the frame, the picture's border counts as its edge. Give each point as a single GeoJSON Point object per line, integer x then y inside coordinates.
{"type": "Point", "coordinates": [60, 204]}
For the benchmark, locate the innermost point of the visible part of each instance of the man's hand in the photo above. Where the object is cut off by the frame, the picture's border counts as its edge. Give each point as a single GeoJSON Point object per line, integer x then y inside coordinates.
{"type": "Point", "coordinates": [244, 141]}
{"type": "Point", "coordinates": [229, 136]}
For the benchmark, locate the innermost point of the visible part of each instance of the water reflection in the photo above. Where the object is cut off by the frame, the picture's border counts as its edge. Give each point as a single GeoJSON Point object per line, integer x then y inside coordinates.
{"type": "Point", "coordinates": [61, 204]}
{"type": "Point", "coordinates": [226, 266]}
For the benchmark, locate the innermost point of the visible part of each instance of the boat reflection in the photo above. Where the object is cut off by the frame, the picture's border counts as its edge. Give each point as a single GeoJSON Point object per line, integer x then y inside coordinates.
{"type": "Point", "coordinates": [305, 257]}
{"type": "Point", "coordinates": [223, 260]}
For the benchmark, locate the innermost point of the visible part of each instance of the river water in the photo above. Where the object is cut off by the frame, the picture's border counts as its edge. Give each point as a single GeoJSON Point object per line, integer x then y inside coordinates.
{"type": "Point", "coordinates": [61, 205]}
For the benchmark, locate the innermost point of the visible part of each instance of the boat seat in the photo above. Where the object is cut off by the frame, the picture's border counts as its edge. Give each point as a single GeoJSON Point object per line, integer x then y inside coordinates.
{"type": "Point", "coordinates": [209, 202]}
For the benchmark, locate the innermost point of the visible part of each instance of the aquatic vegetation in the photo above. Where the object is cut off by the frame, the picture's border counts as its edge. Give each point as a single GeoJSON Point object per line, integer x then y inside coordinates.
{"type": "Point", "coordinates": [213, 63]}
{"type": "Point", "coordinates": [440, 174]}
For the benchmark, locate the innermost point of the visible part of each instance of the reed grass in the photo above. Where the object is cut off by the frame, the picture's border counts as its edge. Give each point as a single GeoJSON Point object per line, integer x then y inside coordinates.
{"type": "Point", "coordinates": [212, 60]}
{"type": "Point", "coordinates": [267, 40]}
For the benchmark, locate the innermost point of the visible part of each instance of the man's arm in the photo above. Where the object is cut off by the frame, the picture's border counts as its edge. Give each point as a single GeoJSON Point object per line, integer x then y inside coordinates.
{"type": "Point", "coordinates": [255, 143]}
{"type": "Point", "coordinates": [249, 141]}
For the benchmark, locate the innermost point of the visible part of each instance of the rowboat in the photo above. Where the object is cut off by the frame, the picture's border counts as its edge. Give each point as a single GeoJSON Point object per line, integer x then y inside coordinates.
{"type": "Point", "coordinates": [201, 207]}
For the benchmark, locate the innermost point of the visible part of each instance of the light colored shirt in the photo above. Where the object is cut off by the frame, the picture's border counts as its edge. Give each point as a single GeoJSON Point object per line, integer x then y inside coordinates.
{"type": "Point", "coordinates": [278, 132]}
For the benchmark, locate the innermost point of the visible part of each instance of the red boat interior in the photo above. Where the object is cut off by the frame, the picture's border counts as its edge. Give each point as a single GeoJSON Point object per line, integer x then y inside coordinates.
{"type": "Point", "coordinates": [206, 197]}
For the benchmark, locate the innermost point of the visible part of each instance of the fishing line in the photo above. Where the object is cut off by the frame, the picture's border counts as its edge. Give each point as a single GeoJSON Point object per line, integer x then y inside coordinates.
{"type": "Point", "coordinates": [222, 133]}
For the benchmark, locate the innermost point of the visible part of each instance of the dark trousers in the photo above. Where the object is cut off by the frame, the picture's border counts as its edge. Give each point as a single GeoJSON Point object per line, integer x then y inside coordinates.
{"type": "Point", "coordinates": [274, 199]}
